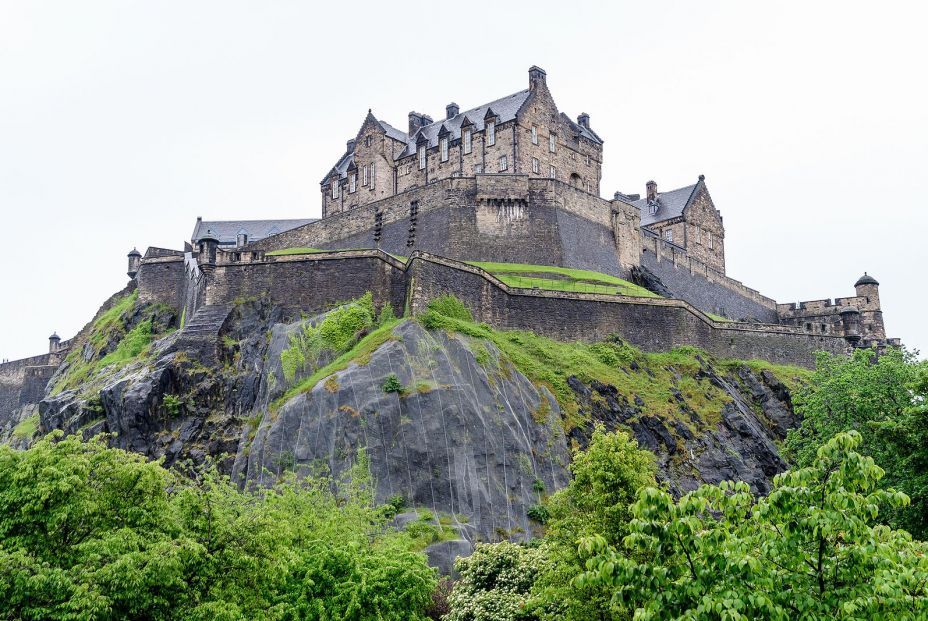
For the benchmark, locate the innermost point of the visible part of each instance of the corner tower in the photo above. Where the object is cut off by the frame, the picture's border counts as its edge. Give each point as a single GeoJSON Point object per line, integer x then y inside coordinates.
{"type": "Point", "coordinates": [871, 315]}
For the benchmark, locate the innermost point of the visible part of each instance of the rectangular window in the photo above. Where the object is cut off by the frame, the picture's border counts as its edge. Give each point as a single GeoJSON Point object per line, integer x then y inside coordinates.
{"type": "Point", "coordinates": [534, 135]}
{"type": "Point", "coordinates": [478, 168]}
{"type": "Point", "coordinates": [335, 189]}
{"type": "Point", "coordinates": [372, 175]}
{"type": "Point", "coordinates": [466, 139]}
{"type": "Point", "coordinates": [668, 235]}
{"type": "Point", "coordinates": [552, 143]}
{"type": "Point", "coordinates": [365, 176]}
{"type": "Point", "coordinates": [491, 133]}
{"type": "Point", "coordinates": [422, 157]}
{"type": "Point", "coordinates": [552, 172]}
{"type": "Point", "coordinates": [353, 182]}
{"type": "Point", "coordinates": [444, 149]}
{"type": "Point", "coordinates": [698, 235]}
{"type": "Point", "coordinates": [503, 163]}
{"type": "Point", "coordinates": [536, 167]}
{"type": "Point", "coordinates": [709, 234]}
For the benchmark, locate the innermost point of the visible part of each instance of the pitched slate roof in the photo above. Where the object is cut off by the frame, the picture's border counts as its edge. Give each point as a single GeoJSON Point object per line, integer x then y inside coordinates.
{"type": "Point", "coordinates": [669, 205]}
{"type": "Point", "coordinates": [226, 231]}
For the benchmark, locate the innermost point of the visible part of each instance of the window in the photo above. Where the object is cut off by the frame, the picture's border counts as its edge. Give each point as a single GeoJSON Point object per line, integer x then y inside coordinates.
{"type": "Point", "coordinates": [335, 189]}
{"type": "Point", "coordinates": [709, 236]}
{"type": "Point", "coordinates": [552, 143]}
{"type": "Point", "coordinates": [372, 175]}
{"type": "Point", "coordinates": [466, 139]}
{"type": "Point", "coordinates": [536, 167]}
{"type": "Point", "coordinates": [365, 176]}
{"type": "Point", "coordinates": [698, 235]}
{"type": "Point", "coordinates": [589, 160]}
{"type": "Point", "coordinates": [668, 235]}
{"type": "Point", "coordinates": [552, 172]}
{"type": "Point", "coordinates": [491, 133]}
{"type": "Point", "coordinates": [478, 168]}
{"type": "Point", "coordinates": [503, 163]}
{"type": "Point", "coordinates": [353, 182]}
{"type": "Point", "coordinates": [367, 141]}
{"type": "Point", "coordinates": [444, 149]}
{"type": "Point", "coordinates": [422, 157]}
{"type": "Point", "coordinates": [534, 135]}
{"type": "Point", "coordinates": [652, 208]}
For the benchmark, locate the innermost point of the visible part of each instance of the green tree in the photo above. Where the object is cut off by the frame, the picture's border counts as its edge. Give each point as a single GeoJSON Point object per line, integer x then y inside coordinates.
{"type": "Point", "coordinates": [809, 550]}
{"type": "Point", "coordinates": [880, 397]}
{"type": "Point", "coordinates": [606, 479]}
{"type": "Point", "coordinates": [89, 532]}
{"type": "Point", "coordinates": [495, 583]}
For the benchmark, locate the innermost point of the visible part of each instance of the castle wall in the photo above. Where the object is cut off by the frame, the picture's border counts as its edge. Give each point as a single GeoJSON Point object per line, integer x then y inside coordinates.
{"type": "Point", "coordinates": [310, 283]}
{"type": "Point", "coordinates": [161, 281]}
{"type": "Point", "coordinates": [702, 286]}
{"type": "Point", "coordinates": [24, 381]}
{"type": "Point", "coordinates": [650, 324]}
{"type": "Point", "coordinates": [510, 218]}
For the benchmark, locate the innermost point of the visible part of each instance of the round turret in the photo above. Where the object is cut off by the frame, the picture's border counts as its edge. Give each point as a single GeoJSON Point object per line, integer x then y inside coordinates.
{"type": "Point", "coordinates": [135, 259]}
{"type": "Point", "coordinates": [207, 244]}
{"type": "Point", "coordinates": [866, 279]}
{"type": "Point", "coordinates": [54, 342]}
{"type": "Point", "coordinates": [850, 321]}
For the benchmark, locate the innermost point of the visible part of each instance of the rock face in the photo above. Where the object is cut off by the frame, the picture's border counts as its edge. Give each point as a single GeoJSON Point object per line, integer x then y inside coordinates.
{"type": "Point", "coordinates": [446, 422]}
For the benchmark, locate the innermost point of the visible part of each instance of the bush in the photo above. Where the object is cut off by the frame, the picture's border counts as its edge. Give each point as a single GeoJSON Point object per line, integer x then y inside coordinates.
{"type": "Point", "coordinates": [539, 513]}
{"type": "Point", "coordinates": [392, 384]}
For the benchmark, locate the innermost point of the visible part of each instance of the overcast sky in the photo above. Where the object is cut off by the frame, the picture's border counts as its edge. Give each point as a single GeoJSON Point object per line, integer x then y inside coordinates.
{"type": "Point", "coordinates": [121, 122]}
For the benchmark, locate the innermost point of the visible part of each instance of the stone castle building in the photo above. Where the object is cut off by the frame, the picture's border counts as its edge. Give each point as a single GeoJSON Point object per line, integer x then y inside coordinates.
{"type": "Point", "coordinates": [514, 180]}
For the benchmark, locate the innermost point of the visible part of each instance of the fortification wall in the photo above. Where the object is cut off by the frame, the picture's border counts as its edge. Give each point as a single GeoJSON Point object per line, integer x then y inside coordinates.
{"type": "Point", "coordinates": [511, 218]}
{"type": "Point", "coordinates": [703, 287]}
{"type": "Point", "coordinates": [161, 281]}
{"type": "Point", "coordinates": [651, 324]}
{"type": "Point", "coordinates": [310, 283]}
{"type": "Point", "coordinates": [24, 381]}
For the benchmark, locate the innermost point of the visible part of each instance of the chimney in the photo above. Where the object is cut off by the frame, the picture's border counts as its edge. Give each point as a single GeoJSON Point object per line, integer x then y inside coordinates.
{"type": "Point", "coordinates": [349, 146]}
{"type": "Point", "coordinates": [417, 120]}
{"type": "Point", "coordinates": [451, 110]}
{"type": "Point", "coordinates": [583, 120]}
{"type": "Point", "coordinates": [651, 188]}
{"type": "Point", "coordinates": [536, 77]}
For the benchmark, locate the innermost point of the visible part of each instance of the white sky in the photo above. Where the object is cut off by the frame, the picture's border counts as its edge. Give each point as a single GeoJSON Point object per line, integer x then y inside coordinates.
{"type": "Point", "coordinates": [121, 122]}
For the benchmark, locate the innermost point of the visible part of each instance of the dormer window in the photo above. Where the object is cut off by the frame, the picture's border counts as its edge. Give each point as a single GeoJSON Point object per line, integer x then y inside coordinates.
{"type": "Point", "coordinates": [466, 140]}
{"type": "Point", "coordinates": [353, 182]}
{"type": "Point", "coordinates": [491, 133]}
{"type": "Point", "coordinates": [534, 135]}
{"type": "Point", "coordinates": [552, 142]}
{"type": "Point", "coordinates": [335, 188]}
{"type": "Point", "coordinates": [652, 208]}
{"type": "Point", "coordinates": [422, 157]}
{"type": "Point", "coordinates": [443, 144]}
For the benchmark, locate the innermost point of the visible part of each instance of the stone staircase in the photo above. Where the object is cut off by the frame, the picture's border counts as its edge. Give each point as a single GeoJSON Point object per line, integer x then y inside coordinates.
{"type": "Point", "coordinates": [201, 332]}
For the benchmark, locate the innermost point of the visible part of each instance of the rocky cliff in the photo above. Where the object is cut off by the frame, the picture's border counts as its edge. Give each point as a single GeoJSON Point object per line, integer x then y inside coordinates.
{"type": "Point", "coordinates": [472, 424]}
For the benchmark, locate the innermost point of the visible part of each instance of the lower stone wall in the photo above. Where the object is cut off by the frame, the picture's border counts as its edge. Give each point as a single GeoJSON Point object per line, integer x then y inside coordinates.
{"type": "Point", "coordinates": [161, 281]}
{"type": "Point", "coordinates": [311, 283]}
{"type": "Point", "coordinates": [710, 294]}
{"type": "Point", "coordinates": [652, 325]}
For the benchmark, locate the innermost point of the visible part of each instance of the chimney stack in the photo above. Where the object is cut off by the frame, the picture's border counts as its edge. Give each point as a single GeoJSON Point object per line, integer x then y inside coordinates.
{"type": "Point", "coordinates": [349, 146]}
{"type": "Point", "coordinates": [417, 120]}
{"type": "Point", "coordinates": [651, 188]}
{"type": "Point", "coordinates": [536, 77]}
{"type": "Point", "coordinates": [452, 110]}
{"type": "Point", "coordinates": [583, 120]}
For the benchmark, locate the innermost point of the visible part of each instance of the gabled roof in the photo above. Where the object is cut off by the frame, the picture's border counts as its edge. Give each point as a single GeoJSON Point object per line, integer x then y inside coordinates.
{"type": "Point", "coordinates": [586, 132]}
{"type": "Point", "coordinates": [669, 205]}
{"type": "Point", "coordinates": [226, 231]}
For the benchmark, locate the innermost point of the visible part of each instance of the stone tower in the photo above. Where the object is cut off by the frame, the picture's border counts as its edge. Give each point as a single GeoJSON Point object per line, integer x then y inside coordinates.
{"type": "Point", "coordinates": [135, 258]}
{"type": "Point", "coordinates": [871, 316]}
{"type": "Point", "coordinates": [54, 343]}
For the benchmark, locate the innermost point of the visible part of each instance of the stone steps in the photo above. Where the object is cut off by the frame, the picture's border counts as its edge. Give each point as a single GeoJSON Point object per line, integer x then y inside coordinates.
{"type": "Point", "coordinates": [201, 333]}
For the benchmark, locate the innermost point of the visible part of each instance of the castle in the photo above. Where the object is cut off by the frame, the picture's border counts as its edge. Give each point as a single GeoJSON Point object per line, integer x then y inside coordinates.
{"type": "Point", "coordinates": [514, 180]}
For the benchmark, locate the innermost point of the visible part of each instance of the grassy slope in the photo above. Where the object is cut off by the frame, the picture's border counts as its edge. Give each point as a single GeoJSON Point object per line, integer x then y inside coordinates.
{"type": "Point", "coordinates": [561, 279]}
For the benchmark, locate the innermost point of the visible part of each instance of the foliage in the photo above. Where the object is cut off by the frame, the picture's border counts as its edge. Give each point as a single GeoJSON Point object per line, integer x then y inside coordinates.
{"type": "Point", "coordinates": [809, 550]}
{"type": "Point", "coordinates": [554, 278]}
{"type": "Point", "coordinates": [880, 397]}
{"type": "Point", "coordinates": [27, 427]}
{"type": "Point", "coordinates": [439, 606]}
{"type": "Point", "coordinates": [173, 404]}
{"type": "Point", "coordinates": [495, 583]}
{"type": "Point", "coordinates": [606, 479]}
{"type": "Point", "coordinates": [392, 384]}
{"type": "Point", "coordinates": [539, 513]}
{"type": "Point", "coordinates": [88, 532]}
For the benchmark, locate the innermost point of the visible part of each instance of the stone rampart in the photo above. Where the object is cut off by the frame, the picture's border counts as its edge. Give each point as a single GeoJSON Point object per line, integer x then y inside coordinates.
{"type": "Point", "coordinates": [694, 281]}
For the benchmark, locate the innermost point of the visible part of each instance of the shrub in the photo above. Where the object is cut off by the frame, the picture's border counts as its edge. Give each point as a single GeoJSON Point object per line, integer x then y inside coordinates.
{"type": "Point", "coordinates": [392, 384]}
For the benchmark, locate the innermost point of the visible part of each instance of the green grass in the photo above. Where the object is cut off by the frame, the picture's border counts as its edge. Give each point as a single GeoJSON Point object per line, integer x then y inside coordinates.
{"type": "Point", "coordinates": [26, 427]}
{"type": "Point", "coordinates": [715, 317]}
{"type": "Point", "coordinates": [552, 278]}
{"type": "Point", "coordinates": [791, 376]}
